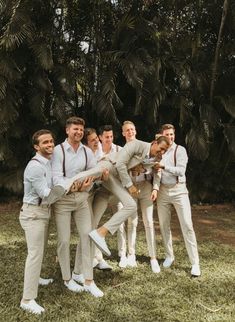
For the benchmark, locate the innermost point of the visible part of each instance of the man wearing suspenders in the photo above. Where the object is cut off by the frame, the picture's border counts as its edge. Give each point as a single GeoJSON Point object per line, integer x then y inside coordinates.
{"type": "Point", "coordinates": [70, 158]}
{"type": "Point", "coordinates": [173, 191]}
{"type": "Point", "coordinates": [35, 214]}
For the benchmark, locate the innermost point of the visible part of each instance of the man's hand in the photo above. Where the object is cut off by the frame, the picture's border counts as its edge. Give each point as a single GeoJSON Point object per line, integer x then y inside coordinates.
{"type": "Point", "coordinates": [75, 186]}
{"type": "Point", "coordinates": [87, 183]}
{"type": "Point", "coordinates": [153, 196]}
{"type": "Point", "coordinates": [137, 170]}
{"type": "Point", "coordinates": [158, 166]}
{"type": "Point", "coordinates": [105, 175]}
{"type": "Point", "coordinates": [133, 191]}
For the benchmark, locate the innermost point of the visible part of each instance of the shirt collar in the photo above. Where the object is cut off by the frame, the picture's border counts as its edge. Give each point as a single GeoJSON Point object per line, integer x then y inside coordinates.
{"type": "Point", "coordinates": [42, 159]}
{"type": "Point", "coordinates": [67, 146]}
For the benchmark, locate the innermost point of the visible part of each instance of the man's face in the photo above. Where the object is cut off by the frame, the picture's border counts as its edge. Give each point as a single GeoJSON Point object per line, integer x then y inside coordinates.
{"type": "Point", "coordinates": [170, 134]}
{"type": "Point", "coordinates": [75, 133]}
{"type": "Point", "coordinates": [45, 146]}
{"type": "Point", "coordinates": [158, 149]}
{"type": "Point", "coordinates": [129, 132]}
{"type": "Point", "coordinates": [93, 141]}
{"type": "Point", "coordinates": [106, 138]}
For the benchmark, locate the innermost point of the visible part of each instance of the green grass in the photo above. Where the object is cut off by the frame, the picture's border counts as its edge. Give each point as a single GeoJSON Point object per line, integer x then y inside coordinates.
{"type": "Point", "coordinates": [130, 294]}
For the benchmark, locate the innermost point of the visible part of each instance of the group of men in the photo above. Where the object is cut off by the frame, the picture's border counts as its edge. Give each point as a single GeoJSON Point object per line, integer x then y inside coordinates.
{"type": "Point", "coordinates": [138, 173]}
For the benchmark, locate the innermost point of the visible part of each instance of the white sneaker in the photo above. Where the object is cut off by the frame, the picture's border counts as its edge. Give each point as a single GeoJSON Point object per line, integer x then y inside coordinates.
{"type": "Point", "coordinates": [73, 286]}
{"type": "Point", "coordinates": [32, 307]}
{"type": "Point", "coordinates": [103, 265]}
{"type": "Point", "coordinates": [195, 271]}
{"type": "Point", "coordinates": [123, 262]}
{"type": "Point", "coordinates": [100, 242]}
{"type": "Point", "coordinates": [93, 289]}
{"type": "Point", "coordinates": [95, 262]}
{"type": "Point", "coordinates": [131, 261]}
{"type": "Point", "coordinates": [45, 281]}
{"type": "Point", "coordinates": [168, 262]}
{"type": "Point", "coordinates": [155, 266]}
{"type": "Point", "coordinates": [78, 278]}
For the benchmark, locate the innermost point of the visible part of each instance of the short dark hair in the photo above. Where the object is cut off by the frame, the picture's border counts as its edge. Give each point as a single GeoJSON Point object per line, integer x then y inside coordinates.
{"type": "Point", "coordinates": [88, 131]}
{"type": "Point", "coordinates": [105, 128]}
{"type": "Point", "coordinates": [36, 135]}
{"type": "Point", "coordinates": [74, 120]}
{"type": "Point", "coordinates": [161, 139]}
{"type": "Point", "coordinates": [167, 127]}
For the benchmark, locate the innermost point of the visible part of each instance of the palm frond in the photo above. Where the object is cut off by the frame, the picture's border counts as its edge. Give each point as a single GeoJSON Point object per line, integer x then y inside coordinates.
{"type": "Point", "coordinates": [43, 54]}
{"type": "Point", "coordinates": [9, 112]}
{"type": "Point", "coordinates": [3, 87]}
{"type": "Point", "coordinates": [229, 134]}
{"type": "Point", "coordinates": [61, 110]}
{"type": "Point", "coordinates": [17, 30]}
{"type": "Point", "coordinates": [36, 103]}
{"type": "Point", "coordinates": [228, 104]}
{"type": "Point", "coordinates": [197, 143]}
{"type": "Point", "coordinates": [9, 68]}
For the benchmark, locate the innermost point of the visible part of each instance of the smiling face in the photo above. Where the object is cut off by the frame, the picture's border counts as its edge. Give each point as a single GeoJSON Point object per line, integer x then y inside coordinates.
{"type": "Point", "coordinates": [45, 145]}
{"type": "Point", "coordinates": [170, 134]}
{"type": "Point", "coordinates": [129, 132]}
{"type": "Point", "coordinates": [75, 133]}
{"type": "Point", "coordinates": [106, 138]}
{"type": "Point", "coordinates": [158, 149]}
{"type": "Point", "coordinates": [93, 141]}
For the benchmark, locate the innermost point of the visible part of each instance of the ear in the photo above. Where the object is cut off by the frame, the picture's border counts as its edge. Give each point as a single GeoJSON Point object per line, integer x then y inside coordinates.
{"type": "Point", "coordinates": [100, 137]}
{"type": "Point", "coordinates": [36, 147]}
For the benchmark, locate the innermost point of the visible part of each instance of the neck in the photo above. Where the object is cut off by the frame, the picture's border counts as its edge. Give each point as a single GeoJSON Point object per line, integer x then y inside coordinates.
{"type": "Point", "coordinates": [74, 145]}
{"type": "Point", "coordinates": [45, 155]}
{"type": "Point", "coordinates": [106, 148]}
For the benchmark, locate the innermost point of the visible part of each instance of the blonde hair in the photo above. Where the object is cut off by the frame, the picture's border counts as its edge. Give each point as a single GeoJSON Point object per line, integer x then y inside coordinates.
{"type": "Point", "coordinates": [126, 123]}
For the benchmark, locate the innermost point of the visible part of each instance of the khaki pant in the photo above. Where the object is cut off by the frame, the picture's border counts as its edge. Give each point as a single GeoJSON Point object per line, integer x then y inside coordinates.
{"type": "Point", "coordinates": [102, 199]}
{"type": "Point", "coordinates": [146, 206]}
{"type": "Point", "coordinates": [75, 204]}
{"type": "Point", "coordinates": [129, 205]}
{"type": "Point", "coordinates": [176, 195]}
{"type": "Point", "coordinates": [34, 220]}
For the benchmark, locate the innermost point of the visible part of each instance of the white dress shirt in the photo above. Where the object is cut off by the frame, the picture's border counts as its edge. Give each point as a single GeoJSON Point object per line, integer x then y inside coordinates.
{"type": "Point", "coordinates": [174, 173]}
{"type": "Point", "coordinates": [37, 180]}
{"type": "Point", "coordinates": [114, 148]}
{"type": "Point", "coordinates": [75, 162]}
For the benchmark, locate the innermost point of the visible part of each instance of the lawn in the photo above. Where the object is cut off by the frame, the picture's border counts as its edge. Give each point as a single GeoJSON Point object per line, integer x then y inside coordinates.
{"type": "Point", "coordinates": [133, 294]}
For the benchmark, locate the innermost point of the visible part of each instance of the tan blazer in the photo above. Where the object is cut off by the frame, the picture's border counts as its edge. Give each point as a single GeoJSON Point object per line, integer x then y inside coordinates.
{"type": "Point", "coordinates": [132, 153]}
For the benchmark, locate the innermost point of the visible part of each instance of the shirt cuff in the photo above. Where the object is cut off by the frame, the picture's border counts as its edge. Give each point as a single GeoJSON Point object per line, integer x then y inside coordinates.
{"type": "Point", "coordinates": [129, 185]}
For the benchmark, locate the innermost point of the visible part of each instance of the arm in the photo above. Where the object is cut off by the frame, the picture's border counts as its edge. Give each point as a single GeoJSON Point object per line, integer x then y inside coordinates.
{"type": "Point", "coordinates": [36, 175]}
{"type": "Point", "coordinates": [57, 167]}
{"type": "Point", "coordinates": [181, 163]}
{"type": "Point", "coordinates": [123, 158]}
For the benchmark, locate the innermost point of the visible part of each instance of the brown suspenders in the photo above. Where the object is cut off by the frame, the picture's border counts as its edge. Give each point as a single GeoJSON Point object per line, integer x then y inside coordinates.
{"type": "Point", "coordinates": [177, 178]}
{"type": "Point", "coordinates": [39, 199]}
{"type": "Point", "coordinates": [63, 165]}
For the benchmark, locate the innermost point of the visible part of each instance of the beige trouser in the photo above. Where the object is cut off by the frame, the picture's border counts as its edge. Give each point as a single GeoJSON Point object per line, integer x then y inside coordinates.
{"type": "Point", "coordinates": [74, 204]}
{"type": "Point", "coordinates": [113, 185]}
{"type": "Point", "coordinates": [146, 206]}
{"type": "Point", "coordinates": [176, 195]}
{"type": "Point", "coordinates": [102, 199]}
{"type": "Point", "coordinates": [34, 220]}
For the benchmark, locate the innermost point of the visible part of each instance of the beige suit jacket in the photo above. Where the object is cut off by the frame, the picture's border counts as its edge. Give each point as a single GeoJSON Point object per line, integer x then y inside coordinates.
{"type": "Point", "coordinates": [132, 153]}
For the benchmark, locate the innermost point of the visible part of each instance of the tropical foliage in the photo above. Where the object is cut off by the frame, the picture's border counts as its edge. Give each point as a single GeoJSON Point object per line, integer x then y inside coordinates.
{"type": "Point", "coordinates": [149, 61]}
